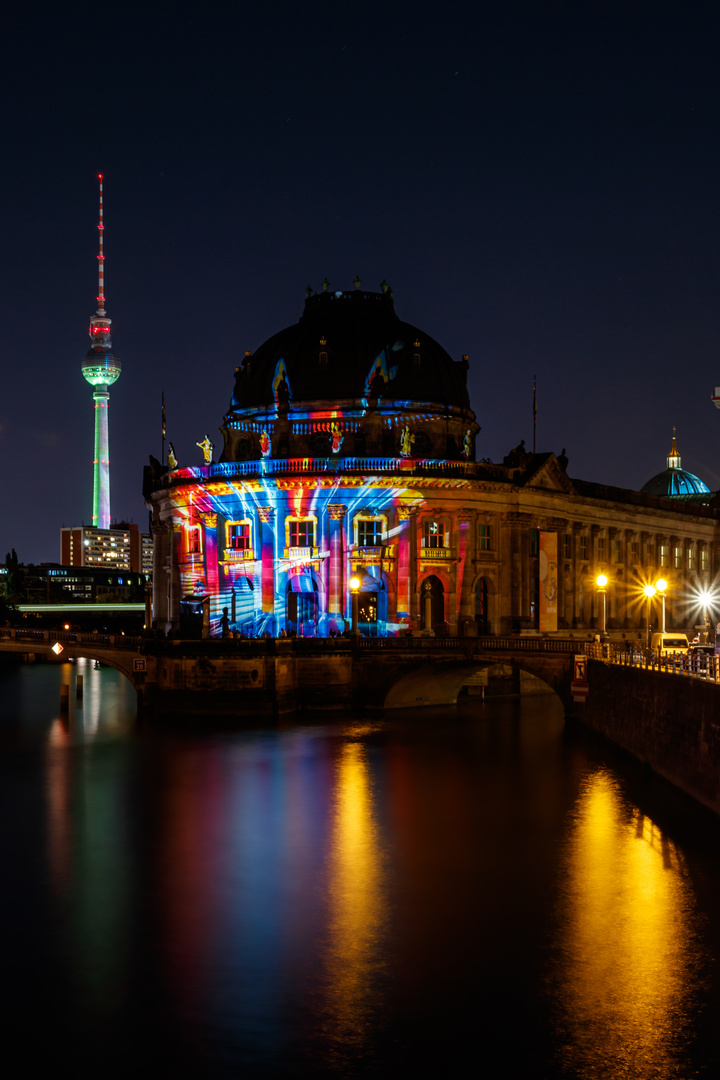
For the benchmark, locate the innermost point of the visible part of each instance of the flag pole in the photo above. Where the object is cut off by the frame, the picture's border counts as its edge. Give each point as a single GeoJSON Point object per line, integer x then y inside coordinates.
{"type": "Point", "coordinates": [534, 412]}
{"type": "Point", "coordinates": [162, 456]}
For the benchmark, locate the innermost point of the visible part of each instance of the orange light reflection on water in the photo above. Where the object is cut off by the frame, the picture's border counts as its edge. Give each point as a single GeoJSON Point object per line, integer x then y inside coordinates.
{"type": "Point", "coordinates": [628, 965]}
{"type": "Point", "coordinates": [357, 905]}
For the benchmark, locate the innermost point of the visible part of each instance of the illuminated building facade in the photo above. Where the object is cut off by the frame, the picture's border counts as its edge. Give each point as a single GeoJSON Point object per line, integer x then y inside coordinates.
{"type": "Point", "coordinates": [349, 453]}
{"type": "Point", "coordinates": [101, 368]}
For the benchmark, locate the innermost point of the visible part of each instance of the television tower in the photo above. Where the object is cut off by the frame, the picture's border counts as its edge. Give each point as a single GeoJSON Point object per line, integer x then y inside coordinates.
{"type": "Point", "coordinates": [101, 368]}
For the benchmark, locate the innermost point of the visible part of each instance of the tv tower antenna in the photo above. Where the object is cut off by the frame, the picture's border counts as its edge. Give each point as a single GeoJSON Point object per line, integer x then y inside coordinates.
{"type": "Point", "coordinates": [101, 367]}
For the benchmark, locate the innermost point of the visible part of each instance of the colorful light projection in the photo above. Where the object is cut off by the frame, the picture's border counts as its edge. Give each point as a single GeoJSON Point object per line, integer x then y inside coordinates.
{"type": "Point", "coordinates": [278, 552]}
{"type": "Point", "coordinates": [382, 372]}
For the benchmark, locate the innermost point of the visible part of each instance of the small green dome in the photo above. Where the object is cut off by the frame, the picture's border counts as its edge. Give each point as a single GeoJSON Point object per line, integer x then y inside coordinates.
{"type": "Point", "coordinates": [674, 482]}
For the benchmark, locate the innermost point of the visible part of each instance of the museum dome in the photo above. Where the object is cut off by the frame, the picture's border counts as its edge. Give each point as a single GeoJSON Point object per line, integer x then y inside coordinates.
{"type": "Point", "coordinates": [675, 482]}
{"type": "Point", "coordinates": [349, 347]}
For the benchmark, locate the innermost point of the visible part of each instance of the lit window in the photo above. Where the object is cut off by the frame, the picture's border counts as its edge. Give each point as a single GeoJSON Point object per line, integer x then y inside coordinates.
{"type": "Point", "coordinates": [691, 558]}
{"type": "Point", "coordinates": [484, 537]}
{"type": "Point", "coordinates": [704, 562]}
{"type": "Point", "coordinates": [370, 533]}
{"type": "Point", "coordinates": [664, 555]}
{"type": "Point", "coordinates": [434, 534]}
{"type": "Point", "coordinates": [302, 533]}
{"type": "Point", "coordinates": [678, 556]}
{"type": "Point", "coordinates": [239, 536]}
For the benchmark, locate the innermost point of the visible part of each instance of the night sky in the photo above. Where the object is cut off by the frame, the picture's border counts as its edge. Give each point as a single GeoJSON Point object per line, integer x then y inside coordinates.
{"type": "Point", "coordinates": [538, 182]}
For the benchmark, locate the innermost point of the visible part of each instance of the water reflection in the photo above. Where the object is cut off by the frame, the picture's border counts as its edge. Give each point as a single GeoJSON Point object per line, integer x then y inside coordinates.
{"type": "Point", "coordinates": [346, 899]}
{"type": "Point", "coordinates": [629, 961]}
{"type": "Point", "coordinates": [356, 905]}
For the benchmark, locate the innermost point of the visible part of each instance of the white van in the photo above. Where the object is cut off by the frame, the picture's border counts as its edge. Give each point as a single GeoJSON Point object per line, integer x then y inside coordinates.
{"type": "Point", "coordinates": [669, 644]}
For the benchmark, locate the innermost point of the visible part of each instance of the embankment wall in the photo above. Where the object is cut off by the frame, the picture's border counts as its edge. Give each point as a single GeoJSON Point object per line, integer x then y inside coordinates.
{"type": "Point", "coordinates": [669, 721]}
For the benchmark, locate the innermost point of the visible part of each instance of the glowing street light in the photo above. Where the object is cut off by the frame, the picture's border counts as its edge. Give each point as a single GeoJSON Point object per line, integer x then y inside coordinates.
{"type": "Point", "coordinates": [649, 591]}
{"type": "Point", "coordinates": [706, 598]}
{"type": "Point", "coordinates": [661, 586]}
{"type": "Point", "coordinates": [354, 587]}
{"type": "Point", "coordinates": [601, 582]}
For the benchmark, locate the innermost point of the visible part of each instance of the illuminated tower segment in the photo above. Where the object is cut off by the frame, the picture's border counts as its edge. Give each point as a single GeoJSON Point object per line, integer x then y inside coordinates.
{"type": "Point", "coordinates": [101, 368]}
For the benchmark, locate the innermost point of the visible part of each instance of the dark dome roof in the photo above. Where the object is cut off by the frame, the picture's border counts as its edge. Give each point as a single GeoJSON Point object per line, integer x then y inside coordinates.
{"type": "Point", "coordinates": [675, 483]}
{"type": "Point", "coordinates": [341, 341]}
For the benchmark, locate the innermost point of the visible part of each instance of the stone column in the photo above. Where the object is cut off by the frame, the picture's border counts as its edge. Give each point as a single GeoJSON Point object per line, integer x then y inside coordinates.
{"type": "Point", "coordinates": [172, 569]}
{"type": "Point", "coordinates": [467, 543]}
{"type": "Point", "coordinates": [516, 525]}
{"type": "Point", "coordinates": [336, 570]}
{"type": "Point", "coordinates": [406, 560]}
{"type": "Point", "coordinates": [267, 557]}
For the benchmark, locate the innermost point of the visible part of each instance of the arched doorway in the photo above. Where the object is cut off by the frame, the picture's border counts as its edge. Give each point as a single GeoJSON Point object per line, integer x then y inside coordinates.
{"type": "Point", "coordinates": [372, 603]}
{"type": "Point", "coordinates": [242, 604]}
{"type": "Point", "coordinates": [481, 607]}
{"type": "Point", "coordinates": [433, 587]}
{"type": "Point", "coordinates": [301, 606]}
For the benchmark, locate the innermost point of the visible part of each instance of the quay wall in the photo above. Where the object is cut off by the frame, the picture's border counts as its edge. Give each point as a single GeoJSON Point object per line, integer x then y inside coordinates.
{"type": "Point", "coordinates": [670, 722]}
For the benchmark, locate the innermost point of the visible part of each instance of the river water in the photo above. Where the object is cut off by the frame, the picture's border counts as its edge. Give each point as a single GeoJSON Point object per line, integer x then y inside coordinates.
{"type": "Point", "coordinates": [430, 893]}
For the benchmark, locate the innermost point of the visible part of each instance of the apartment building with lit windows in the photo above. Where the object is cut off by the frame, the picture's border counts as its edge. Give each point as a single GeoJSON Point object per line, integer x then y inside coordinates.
{"type": "Point", "coordinates": [121, 548]}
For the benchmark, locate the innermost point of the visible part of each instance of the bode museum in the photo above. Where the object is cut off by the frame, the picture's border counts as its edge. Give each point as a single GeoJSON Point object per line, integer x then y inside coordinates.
{"type": "Point", "coordinates": [348, 495]}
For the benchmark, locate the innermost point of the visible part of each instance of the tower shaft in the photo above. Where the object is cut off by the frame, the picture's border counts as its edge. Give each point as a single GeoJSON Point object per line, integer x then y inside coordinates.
{"type": "Point", "coordinates": [101, 463]}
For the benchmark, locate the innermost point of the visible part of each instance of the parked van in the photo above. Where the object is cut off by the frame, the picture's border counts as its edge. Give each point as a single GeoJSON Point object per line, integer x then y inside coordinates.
{"type": "Point", "coordinates": [669, 644]}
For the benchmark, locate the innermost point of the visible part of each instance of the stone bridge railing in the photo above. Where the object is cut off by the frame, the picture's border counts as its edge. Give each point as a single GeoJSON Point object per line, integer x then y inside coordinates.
{"type": "Point", "coordinates": [71, 637]}
{"type": "Point", "coordinates": [300, 646]}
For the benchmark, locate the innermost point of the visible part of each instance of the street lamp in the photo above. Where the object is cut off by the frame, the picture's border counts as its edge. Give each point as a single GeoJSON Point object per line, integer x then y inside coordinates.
{"type": "Point", "coordinates": [705, 598]}
{"type": "Point", "coordinates": [649, 591]}
{"type": "Point", "coordinates": [601, 582]}
{"type": "Point", "coordinates": [661, 586]}
{"type": "Point", "coordinates": [354, 587]}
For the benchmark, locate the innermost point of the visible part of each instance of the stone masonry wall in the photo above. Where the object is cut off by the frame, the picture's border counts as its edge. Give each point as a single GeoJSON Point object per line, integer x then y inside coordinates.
{"type": "Point", "coordinates": [669, 721]}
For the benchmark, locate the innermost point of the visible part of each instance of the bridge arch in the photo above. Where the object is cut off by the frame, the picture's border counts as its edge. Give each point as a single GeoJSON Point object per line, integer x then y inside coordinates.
{"type": "Point", "coordinates": [440, 683]}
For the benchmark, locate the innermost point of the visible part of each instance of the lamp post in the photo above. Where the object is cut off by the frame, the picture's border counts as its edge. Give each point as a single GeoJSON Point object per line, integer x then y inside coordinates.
{"type": "Point", "coordinates": [660, 587]}
{"type": "Point", "coordinates": [354, 587]}
{"type": "Point", "coordinates": [601, 582]}
{"type": "Point", "coordinates": [649, 591]}
{"type": "Point", "coordinates": [705, 598]}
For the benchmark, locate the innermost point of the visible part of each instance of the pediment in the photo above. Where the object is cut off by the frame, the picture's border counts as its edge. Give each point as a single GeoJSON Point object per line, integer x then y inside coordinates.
{"type": "Point", "coordinates": [550, 477]}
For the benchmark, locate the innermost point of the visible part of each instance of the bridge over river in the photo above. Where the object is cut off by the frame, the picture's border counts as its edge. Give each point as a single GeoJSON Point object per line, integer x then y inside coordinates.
{"type": "Point", "coordinates": [266, 675]}
{"type": "Point", "coordinates": [666, 713]}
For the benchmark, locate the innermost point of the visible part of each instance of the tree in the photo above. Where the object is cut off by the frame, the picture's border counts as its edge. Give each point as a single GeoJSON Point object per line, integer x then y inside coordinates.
{"type": "Point", "coordinates": [13, 577]}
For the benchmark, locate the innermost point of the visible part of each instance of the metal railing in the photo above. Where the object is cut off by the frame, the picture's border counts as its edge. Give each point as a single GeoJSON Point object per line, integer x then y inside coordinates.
{"type": "Point", "coordinates": [699, 666]}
